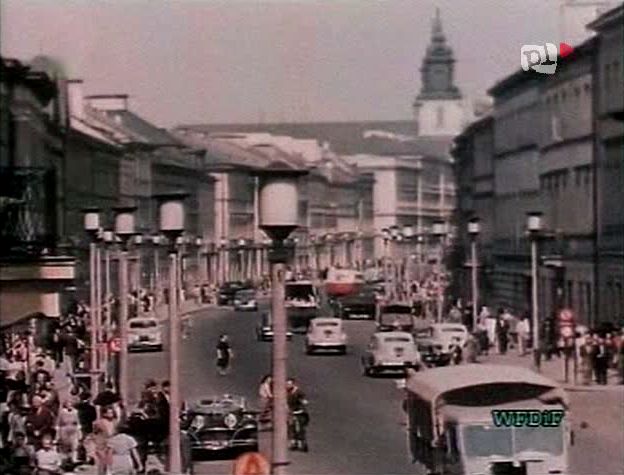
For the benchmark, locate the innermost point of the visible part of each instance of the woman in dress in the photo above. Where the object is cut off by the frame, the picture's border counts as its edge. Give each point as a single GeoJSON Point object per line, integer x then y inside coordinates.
{"type": "Point", "coordinates": [123, 458]}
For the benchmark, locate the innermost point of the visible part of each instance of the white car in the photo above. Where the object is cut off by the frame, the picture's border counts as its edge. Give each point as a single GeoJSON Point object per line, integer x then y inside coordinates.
{"type": "Point", "coordinates": [448, 334]}
{"type": "Point", "coordinates": [325, 333]}
{"type": "Point", "coordinates": [390, 351]}
{"type": "Point", "coordinates": [245, 300]}
{"type": "Point", "coordinates": [144, 334]}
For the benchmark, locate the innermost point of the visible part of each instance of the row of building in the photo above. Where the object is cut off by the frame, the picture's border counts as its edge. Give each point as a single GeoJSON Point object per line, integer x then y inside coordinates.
{"type": "Point", "coordinates": [62, 151]}
{"type": "Point", "coordinates": [553, 144]}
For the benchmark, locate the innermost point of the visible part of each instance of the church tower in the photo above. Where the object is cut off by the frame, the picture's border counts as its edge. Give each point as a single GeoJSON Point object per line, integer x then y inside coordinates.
{"type": "Point", "coordinates": [439, 108]}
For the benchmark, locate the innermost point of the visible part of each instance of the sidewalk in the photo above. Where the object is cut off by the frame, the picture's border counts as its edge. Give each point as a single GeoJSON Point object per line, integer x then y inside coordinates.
{"type": "Point", "coordinates": [554, 369]}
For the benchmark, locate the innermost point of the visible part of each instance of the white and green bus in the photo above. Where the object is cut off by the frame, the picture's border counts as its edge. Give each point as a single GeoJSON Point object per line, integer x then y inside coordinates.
{"type": "Point", "coordinates": [481, 419]}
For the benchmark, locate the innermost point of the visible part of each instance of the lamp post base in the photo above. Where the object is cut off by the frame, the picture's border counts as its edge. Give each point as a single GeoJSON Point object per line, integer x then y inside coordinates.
{"type": "Point", "coordinates": [537, 360]}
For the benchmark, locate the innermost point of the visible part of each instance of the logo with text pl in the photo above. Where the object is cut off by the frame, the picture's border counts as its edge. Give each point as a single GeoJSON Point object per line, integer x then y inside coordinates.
{"type": "Point", "coordinates": [543, 58]}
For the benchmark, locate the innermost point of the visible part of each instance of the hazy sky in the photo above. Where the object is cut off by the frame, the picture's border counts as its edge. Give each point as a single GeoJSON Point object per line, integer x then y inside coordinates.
{"type": "Point", "coordinates": [233, 61]}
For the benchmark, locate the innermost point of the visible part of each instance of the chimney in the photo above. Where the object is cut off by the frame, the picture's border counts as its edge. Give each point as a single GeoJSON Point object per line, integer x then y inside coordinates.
{"type": "Point", "coordinates": [109, 102]}
{"type": "Point", "coordinates": [75, 99]}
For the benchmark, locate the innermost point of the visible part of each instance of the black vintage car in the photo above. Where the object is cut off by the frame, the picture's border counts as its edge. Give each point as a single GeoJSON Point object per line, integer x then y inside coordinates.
{"type": "Point", "coordinates": [264, 330]}
{"type": "Point", "coordinates": [221, 424]}
{"type": "Point", "coordinates": [360, 305]}
{"type": "Point", "coordinates": [395, 316]}
{"type": "Point", "coordinates": [432, 353]}
{"type": "Point", "coordinates": [227, 291]}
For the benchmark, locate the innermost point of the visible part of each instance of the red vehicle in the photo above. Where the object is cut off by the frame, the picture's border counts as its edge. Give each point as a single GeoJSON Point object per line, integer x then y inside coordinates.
{"type": "Point", "coordinates": [341, 282]}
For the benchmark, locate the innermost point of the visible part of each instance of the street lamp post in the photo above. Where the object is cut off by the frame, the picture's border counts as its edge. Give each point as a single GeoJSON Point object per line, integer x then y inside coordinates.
{"type": "Point", "coordinates": [156, 241]}
{"type": "Point", "coordinates": [92, 227]}
{"type": "Point", "coordinates": [439, 231]}
{"type": "Point", "coordinates": [108, 238]}
{"type": "Point", "coordinates": [408, 235]}
{"type": "Point", "coordinates": [171, 219]}
{"type": "Point", "coordinates": [201, 267]}
{"type": "Point", "coordinates": [474, 228]}
{"type": "Point", "coordinates": [385, 234]}
{"type": "Point", "coordinates": [535, 226]}
{"type": "Point", "coordinates": [278, 219]}
{"type": "Point", "coordinates": [124, 228]}
{"type": "Point", "coordinates": [138, 273]}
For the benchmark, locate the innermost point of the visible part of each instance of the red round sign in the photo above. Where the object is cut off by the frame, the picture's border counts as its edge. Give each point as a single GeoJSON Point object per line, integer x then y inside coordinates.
{"type": "Point", "coordinates": [566, 317]}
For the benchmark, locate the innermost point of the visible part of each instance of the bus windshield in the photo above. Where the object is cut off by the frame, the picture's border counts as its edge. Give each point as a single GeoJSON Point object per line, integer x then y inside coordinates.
{"type": "Point", "coordinates": [539, 439]}
{"type": "Point", "coordinates": [485, 441]}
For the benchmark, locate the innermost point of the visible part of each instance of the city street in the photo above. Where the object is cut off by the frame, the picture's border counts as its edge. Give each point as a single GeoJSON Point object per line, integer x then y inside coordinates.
{"type": "Point", "coordinates": [357, 423]}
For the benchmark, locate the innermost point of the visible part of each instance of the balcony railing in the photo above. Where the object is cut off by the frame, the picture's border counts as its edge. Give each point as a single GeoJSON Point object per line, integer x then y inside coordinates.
{"type": "Point", "coordinates": [27, 211]}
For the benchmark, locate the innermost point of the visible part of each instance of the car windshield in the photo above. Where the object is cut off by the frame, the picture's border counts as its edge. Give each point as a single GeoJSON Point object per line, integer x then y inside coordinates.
{"type": "Point", "coordinates": [326, 324]}
{"type": "Point", "coordinates": [245, 294]}
{"type": "Point", "coordinates": [539, 439]}
{"type": "Point", "coordinates": [397, 309]}
{"type": "Point", "coordinates": [423, 333]}
{"type": "Point", "coordinates": [452, 330]}
{"type": "Point", "coordinates": [485, 441]}
{"type": "Point", "coordinates": [305, 292]}
{"type": "Point", "coordinates": [144, 324]}
{"type": "Point", "coordinates": [397, 339]}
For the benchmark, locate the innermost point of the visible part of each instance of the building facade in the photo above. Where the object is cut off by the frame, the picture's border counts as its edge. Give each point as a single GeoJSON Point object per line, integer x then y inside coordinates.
{"type": "Point", "coordinates": [609, 150]}
{"type": "Point", "coordinates": [551, 144]}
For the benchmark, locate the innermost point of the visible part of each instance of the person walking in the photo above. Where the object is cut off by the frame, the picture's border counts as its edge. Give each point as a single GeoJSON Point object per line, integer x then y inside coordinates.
{"type": "Point", "coordinates": [47, 458]}
{"type": "Point", "coordinates": [122, 455]}
{"type": "Point", "coordinates": [586, 357]}
{"type": "Point", "coordinates": [224, 355]}
{"type": "Point", "coordinates": [502, 334]}
{"type": "Point", "coordinates": [69, 430]}
{"type": "Point", "coordinates": [266, 398]}
{"type": "Point", "coordinates": [523, 330]}
{"type": "Point", "coordinates": [602, 357]}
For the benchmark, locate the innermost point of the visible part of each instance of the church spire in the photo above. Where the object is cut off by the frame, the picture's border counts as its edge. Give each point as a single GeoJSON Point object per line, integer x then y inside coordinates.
{"type": "Point", "coordinates": [438, 66]}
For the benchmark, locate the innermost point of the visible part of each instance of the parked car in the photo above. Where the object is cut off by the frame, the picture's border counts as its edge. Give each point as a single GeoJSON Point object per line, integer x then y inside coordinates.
{"type": "Point", "coordinates": [264, 331]}
{"type": "Point", "coordinates": [326, 334]}
{"type": "Point", "coordinates": [220, 424]}
{"type": "Point", "coordinates": [437, 341]}
{"type": "Point", "coordinates": [225, 295]}
{"type": "Point", "coordinates": [390, 351]}
{"type": "Point", "coordinates": [431, 351]}
{"type": "Point", "coordinates": [245, 300]}
{"type": "Point", "coordinates": [360, 305]}
{"type": "Point", "coordinates": [144, 334]}
{"type": "Point", "coordinates": [395, 316]}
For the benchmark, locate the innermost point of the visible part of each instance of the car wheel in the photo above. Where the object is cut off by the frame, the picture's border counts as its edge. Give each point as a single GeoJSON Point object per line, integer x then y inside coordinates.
{"type": "Point", "coordinates": [343, 350]}
{"type": "Point", "coordinates": [309, 350]}
{"type": "Point", "coordinates": [365, 369]}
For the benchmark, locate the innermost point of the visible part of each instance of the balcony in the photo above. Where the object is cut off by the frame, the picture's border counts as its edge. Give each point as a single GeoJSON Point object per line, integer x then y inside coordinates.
{"type": "Point", "coordinates": [27, 211]}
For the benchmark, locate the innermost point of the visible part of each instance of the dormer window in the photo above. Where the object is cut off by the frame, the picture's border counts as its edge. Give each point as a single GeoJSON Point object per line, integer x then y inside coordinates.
{"type": "Point", "coordinates": [440, 117]}
{"type": "Point", "coordinates": [555, 128]}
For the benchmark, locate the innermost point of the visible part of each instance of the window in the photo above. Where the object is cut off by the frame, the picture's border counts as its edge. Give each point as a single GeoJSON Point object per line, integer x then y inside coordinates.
{"type": "Point", "coordinates": [588, 176]}
{"type": "Point", "coordinates": [440, 117]}
{"type": "Point", "coordinates": [555, 127]}
{"type": "Point", "coordinates": [564, 179]}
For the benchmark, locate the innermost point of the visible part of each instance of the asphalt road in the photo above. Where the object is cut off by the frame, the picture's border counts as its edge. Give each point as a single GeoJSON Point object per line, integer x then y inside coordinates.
{"type": "Point", "coordinates": [357, 426]}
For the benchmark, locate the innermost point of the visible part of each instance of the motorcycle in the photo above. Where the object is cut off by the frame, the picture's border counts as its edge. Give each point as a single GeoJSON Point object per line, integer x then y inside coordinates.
{"type": "Point", "coordinates": [297, 430]}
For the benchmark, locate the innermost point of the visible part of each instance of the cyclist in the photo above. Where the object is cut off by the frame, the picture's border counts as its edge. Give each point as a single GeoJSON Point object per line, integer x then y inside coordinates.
{"type": "Point", "coordinates": [298, 416]}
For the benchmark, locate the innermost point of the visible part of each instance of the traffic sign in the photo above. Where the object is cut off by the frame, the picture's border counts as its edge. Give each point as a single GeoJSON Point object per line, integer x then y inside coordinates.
{"type": "Point", "coordinates": [566, 323]}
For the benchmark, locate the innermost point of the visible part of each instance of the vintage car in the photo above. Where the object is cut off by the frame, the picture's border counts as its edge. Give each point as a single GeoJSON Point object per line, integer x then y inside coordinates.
{"type": "Point", "coordinates": [395, 316]}
{"type": "Point", "coordinates": [264, 331]}
{"type": "Point", "coordinates": [325, 334]}
{"type": "Point", "coordinates": [245, 300]}
{"type": "Point", "coordinates": [227, 291]}
{"type": "Point", "coordinates": [360, 305]}
{"type": "Point", "coordinates": [219, 424]}
{"type": "Point", "coordinates": [390, 351]}
{"type": "Point", "coordinates": [144, 334]}
{"type": "Point", "coordinates": [447, 335]}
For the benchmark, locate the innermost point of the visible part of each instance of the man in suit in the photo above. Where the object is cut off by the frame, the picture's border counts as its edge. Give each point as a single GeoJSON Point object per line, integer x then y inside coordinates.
{"type": "Point", "coordinates": [162, 403]}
